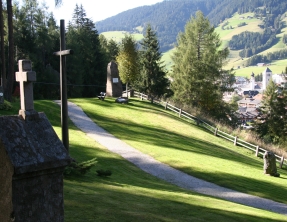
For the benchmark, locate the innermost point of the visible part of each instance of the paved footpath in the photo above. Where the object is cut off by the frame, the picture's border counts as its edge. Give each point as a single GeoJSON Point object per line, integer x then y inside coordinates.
{"type": "Point", "coordinates": [163, 171]}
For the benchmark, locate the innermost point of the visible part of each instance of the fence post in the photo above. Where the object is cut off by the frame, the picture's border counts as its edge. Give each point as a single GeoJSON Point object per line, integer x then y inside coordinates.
{"type": "Point", "coordinates": [282, 161]}
{"type": "Point", "coordinates": [215, 132]}
{"type": "Point", "coordinates": [180, 110]}
{"type": "Point", "coordinates": [235, 141]}
{"type": "Point", "coordinates": [141, 96]}
{"type": "Point", "coordinates": [257, 151]}
{"type": "Point", "coordinates": [165, 105]}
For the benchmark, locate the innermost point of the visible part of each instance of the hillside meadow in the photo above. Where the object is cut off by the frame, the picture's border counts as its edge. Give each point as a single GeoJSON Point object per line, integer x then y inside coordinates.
{"type": "Point", "coordinates": [130, 194]}
{"type": "Point", "coordinates": [184, 146]}
{"type": "Point", "coordinates": [227, 29]}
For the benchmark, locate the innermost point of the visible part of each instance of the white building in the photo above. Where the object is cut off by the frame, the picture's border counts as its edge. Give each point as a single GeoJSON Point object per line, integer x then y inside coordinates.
{"type": "Point", "coordinates": [252, 81]}
{"type": "Point", "coordinates": [266, 77]}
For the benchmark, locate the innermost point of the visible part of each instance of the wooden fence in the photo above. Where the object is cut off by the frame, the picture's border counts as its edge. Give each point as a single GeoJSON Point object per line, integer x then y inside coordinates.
{"type": "Point", "coordinates": [215, 131]}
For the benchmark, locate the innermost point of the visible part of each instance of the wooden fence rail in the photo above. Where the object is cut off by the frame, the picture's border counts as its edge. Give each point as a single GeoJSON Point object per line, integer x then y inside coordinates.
{"type": "Point", "coordinates": [236, 141]}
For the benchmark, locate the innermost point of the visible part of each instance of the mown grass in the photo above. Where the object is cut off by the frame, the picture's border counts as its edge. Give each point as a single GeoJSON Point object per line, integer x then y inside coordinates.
{"type": "Point", "coordinates": [184, 146]}
{"type": "Point", "coordinates": [277, 68]}
{"type": "Point", "coordinates": [130, 194]}
{"type": "Point", "coordinates": [117, 36]}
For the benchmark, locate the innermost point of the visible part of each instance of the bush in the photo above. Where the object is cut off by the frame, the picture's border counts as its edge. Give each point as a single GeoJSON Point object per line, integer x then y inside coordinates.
{"type": "Point", "coordinates": [5, 106]}
{"type": "Point", "coordinates": [104, 173]}
{"type": "Point", "coordinates": [80, 168]}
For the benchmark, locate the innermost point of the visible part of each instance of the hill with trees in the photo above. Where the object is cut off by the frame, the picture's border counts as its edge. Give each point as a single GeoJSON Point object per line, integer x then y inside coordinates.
{"type": "Point", "coordinates": [169, 17]}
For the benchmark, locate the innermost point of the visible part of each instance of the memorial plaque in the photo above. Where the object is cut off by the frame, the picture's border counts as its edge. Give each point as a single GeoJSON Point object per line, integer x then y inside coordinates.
{"type": "Point", "coordinates": [1, 95]}
{"type": "Point", "coordinates": [115, 80]}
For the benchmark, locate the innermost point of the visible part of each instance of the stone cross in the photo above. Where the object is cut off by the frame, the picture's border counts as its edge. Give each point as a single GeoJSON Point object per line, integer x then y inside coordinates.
{"type": "Point", "coordinates": [1, 95]}
{"type": "Point", "coordinates": [63, 81]}
{"type": "Point", "coordinates": [26, 77]}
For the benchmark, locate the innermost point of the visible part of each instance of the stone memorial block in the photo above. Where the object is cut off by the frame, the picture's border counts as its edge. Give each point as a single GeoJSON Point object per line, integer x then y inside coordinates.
{"type": "Point", "coordinates": [114, 85]}
{"type": "Point", "coordinates": [1, 95]}
{"type": "Point", "coordinates": [32, 161]}
{"type": "Point", "coordinates": [270, 164]}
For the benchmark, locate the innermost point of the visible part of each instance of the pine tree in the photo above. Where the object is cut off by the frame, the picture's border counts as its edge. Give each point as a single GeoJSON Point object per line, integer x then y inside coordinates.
{"type": "Point", "coordinates": [153, 80]}
{"type": "Point", "coordinates": [272, 126]}
{"type": "Point", "coordinates": [127, 60]}
{"type": "Point", "coordinates": [197, 71]}
{"type": "Point", "coordinates": [87, 67]}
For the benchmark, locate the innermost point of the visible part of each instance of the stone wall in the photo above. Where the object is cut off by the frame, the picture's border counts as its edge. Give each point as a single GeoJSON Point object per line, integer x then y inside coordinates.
{"type": "Point", "coordinates": [40, 197]}
{"type": "Point", "coordinates": [32, 162]}
{"type": "Point", "coordinates": [6, 173]}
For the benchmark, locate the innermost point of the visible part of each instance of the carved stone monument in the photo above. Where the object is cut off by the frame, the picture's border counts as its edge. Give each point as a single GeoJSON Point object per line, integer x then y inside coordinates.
{"type": "Point", "coordinates": [32, 161]}
{"type": "Point", "coordinates": [270, 164]}
{"type": "Point", "coordinates": [114, 85]}
{"type": "Point", "coordinates": [1, 95]}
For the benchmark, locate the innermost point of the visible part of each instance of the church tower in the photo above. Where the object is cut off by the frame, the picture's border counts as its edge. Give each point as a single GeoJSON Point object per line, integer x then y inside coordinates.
{"type": "Point", "coordinates": [252, 81]}
{"type": "Point", "coordinates": [266, 77]}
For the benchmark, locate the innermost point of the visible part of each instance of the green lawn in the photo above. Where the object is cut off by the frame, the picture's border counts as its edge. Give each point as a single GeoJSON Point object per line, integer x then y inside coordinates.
{"type": "Point", "coordinates": [117, 36]}
{"type": "Point", "coordinates": [184, 146]}
{"type": "Point", "coordinates": [131, 194]}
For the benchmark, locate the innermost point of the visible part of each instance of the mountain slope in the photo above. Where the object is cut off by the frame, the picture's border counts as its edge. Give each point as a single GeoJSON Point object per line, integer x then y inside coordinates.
{"type": "Point", "coordinates": [168, 18]}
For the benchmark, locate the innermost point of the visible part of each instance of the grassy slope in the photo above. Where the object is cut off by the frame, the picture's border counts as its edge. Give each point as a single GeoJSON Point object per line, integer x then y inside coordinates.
{"type": "Point", "coordinates": [117, 36]}
{"type": "Point", "coordinates": [234, 61]}
{"type": "Point", "coordinates": [186, 147]}
{"type": "Point", "coordinates": [130, 194]}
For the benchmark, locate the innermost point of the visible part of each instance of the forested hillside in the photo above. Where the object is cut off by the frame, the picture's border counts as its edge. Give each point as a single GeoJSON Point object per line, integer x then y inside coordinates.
{"type": "Point", "coordinates": [169, 17]}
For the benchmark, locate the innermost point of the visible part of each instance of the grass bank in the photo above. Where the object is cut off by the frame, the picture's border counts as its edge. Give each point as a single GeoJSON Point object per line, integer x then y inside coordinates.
{"type": "Point", "coordinates": [161, 134]}
{"type": "Point", "coordinates": [130, 194]}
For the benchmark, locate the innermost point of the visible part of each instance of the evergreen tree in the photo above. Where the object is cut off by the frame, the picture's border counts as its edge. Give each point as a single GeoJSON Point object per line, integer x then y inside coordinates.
{"type": "Point", "coordinates": [127, 60]}
{"type": "Point", "coordinates": [198, 60]}
{"type": "Point", "coordinates": [113, 50]}
{"type": "Point", "coordinates": [153, 79]}
{"type": "Point", "coordinates": [11, 59]}
{"type": "Point", "coordinates": [2, 48]}
{"type": "Point", "coordinates": [272, 124]}
{"type": "Point", "coordinates": [87, 67]}
{"type": "Point", "coordinates": [110, 48]}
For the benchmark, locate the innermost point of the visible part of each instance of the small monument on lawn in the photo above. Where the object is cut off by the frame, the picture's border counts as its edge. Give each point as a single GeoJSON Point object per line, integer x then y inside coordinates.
{"type": "Point", "coordinates": [114, 85]}
{"type": "Point", "coordinates": [270, 164]}
{"type": "Point", "coordinates": [32, 161]}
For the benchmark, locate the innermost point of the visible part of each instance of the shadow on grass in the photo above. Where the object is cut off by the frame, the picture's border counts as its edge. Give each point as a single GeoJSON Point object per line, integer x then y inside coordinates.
{"type": "Point", "coordinates": [166, 139]}
{"type": "Point", "coordinates": [133, 195]}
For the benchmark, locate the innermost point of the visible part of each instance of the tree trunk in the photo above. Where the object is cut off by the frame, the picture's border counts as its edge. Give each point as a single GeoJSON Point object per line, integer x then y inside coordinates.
{"type": "Point", "coordinates": [127, 90]}
{"type": "Point", "coordinates": [2, 60]}
{"type": "Point", "coordinates": [10, 79]}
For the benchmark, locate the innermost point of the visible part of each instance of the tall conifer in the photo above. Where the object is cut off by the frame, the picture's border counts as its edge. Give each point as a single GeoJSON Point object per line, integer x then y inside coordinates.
{"type": "Point", "coordinates": [153, 80]}
{"type": "Point", "coordinates": [198, 60]}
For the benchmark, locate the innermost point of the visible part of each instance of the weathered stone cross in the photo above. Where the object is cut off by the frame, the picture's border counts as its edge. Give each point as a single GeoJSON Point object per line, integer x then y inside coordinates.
{"type": "Point", "coordinates": [26, 77]}
{"type": "Point", "coordinates": [63, 81]}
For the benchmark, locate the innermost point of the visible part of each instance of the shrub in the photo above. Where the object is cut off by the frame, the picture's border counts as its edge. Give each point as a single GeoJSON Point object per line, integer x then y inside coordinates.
{"type": "Point", "coordinates": [80, 168]}
{"type": "Point", "coordinates": [104, 173]}
{"type": "Point", "coordinates": [5, 106]}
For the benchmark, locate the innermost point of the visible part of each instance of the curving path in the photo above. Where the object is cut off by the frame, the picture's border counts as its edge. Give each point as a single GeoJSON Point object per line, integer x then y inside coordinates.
{"type": "Point", "coordinates": [163, 171]}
